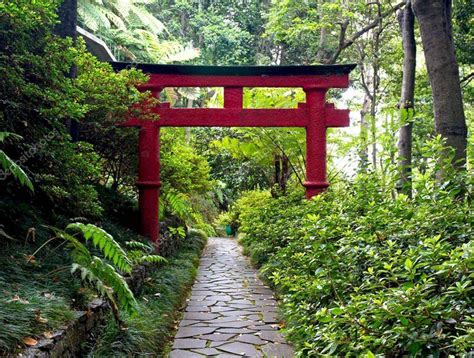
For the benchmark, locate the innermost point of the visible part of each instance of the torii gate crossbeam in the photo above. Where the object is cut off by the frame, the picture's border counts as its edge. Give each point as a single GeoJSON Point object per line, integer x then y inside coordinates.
{"type": "Point", "coordinates": [315, 116]}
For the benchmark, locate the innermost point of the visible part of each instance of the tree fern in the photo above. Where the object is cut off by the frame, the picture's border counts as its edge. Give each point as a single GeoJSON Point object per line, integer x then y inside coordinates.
{"type": "Point", "coordinates": [140, 17]}
{"type": "Point", "coordinates": [93, 15]}
{"type": "Point", "coordinates": [133, 29]}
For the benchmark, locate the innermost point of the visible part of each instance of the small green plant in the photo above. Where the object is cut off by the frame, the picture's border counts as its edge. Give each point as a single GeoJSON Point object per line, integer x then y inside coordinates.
{"type": "Point", "coordinates": [140, 253]}
{"type": "Point", "coordinates": [105, 274]}
{"type": "Point", "coordinates": [10, 167]}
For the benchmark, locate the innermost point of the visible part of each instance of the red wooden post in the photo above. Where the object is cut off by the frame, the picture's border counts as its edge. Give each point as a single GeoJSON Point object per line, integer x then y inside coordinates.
{"type": "Point", "coordinates": [149, 180]}
{"type": "Point", "coordinates": [315, 142]}
{"type": "Point", "coordinates": [233, 97]}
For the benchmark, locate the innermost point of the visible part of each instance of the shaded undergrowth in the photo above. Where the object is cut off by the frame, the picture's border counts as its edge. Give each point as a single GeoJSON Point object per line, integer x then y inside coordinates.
{"type": "Point", "coordinates": [37, 294]}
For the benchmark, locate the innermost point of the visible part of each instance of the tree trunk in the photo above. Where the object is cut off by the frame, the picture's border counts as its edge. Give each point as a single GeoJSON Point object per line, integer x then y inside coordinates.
{"type": "Point", "coordinates": [363, 146]}
{"type": "Point", "coordinates": [434, 17]}
{"type": "Point", "coordinates": [406, 19]}
{"type": "Point", "coordinates": [67, 13]}
{"type": "Point", "coordinates": [285, 172]}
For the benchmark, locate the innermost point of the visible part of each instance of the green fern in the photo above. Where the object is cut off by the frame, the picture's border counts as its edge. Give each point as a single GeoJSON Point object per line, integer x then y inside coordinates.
{"type": "Point", "coordinates": [145, 247]}
{"type": "Point", "coordinates": [106, 243]}
{"type": "Point", "coordinates": [17, 172]}
{"type": "Point", "coordinates": [8, 164]}
{"type": "Point", "coordinates": [178, 204]}
{"type": "Point", "coordinates": [154, 259]}
{"type": "Point", "coordinates": [142, 253]}
{"type": "Point", "coordinates": [99, 274]}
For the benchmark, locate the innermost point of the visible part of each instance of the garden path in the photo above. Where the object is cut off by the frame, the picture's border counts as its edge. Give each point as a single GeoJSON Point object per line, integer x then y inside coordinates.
{"type": "Point", "coordinates": [230, 313]}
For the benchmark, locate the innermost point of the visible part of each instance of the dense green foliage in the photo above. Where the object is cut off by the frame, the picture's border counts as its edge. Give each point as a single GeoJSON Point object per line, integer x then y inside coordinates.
{"type": "Point", "coordinates": [359, 271]}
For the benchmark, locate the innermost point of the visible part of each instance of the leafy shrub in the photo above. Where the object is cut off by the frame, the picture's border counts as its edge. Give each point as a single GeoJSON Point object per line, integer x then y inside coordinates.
{"type": "Point", "coordinates": [197, 235]}
{"type": "Point", "coordinates": [360, 272]}
{"type": "Point", "coordinates": [252, 198]}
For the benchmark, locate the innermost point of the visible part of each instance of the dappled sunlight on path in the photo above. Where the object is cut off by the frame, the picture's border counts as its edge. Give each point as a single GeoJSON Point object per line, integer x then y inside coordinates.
{"type": "Point", "coordinates": [230, 313]}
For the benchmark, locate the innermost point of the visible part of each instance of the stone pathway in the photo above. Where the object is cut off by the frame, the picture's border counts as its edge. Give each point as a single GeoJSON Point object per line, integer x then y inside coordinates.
{"type": "Point", "coordinates": [230, 312]}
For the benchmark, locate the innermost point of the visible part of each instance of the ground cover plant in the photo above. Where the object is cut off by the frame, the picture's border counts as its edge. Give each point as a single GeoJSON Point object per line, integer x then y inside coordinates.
{"type": "Point", "coordinates": [361, 272]}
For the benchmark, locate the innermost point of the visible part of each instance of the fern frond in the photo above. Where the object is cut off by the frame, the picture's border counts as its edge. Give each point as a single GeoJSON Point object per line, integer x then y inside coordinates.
{"type": "Point", "coordinates": [80, 253]}
{"type": "Point", "coordinates": [140, 17]}
{"type": "Point", "coordinates": [18, 173]}
{"type": "Point", "coordinates": [106, 243]}
{"type": "Point", "coordinates": [122, 7]}
{"type": "Point", "coordinates": [107, 274]}
{"type": "Point", "coordinates": [140, 246]}
{"type": "Point", "coordinates": [5, 135]}
{"type": "Point", "coordinates": [117, 21]}
{"type": "Point", "coordinates": [93, 15]}
{"type": "Point", "coordinates": [181, 54]}
{"type": "Point", "coordinates": [177, 204]}
{"type": "Point", "coordinates": [87, 275]}
{"type": "Point", "coordinates": [155, 259]}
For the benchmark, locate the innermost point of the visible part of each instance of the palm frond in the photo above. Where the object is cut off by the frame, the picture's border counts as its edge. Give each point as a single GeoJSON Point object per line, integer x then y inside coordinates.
{"type": "Point", "coordinates": [140, 17]}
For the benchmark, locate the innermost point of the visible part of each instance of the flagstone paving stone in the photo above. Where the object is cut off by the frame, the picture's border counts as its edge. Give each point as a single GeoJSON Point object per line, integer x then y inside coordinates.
{"type": "Point", "coordinates": [230, 312]}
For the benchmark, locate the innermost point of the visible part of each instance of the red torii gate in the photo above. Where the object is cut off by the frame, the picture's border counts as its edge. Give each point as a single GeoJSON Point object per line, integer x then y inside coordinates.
{"type": "Point", "coordinates": [315, 116]}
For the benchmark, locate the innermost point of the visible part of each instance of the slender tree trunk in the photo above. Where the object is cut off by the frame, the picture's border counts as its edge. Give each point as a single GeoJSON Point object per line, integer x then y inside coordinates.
{"type": "Point", "coordinates": [375, 84]}
{"type": "Point", "coordinates": [67, 13]}
{"type": "Point", "coordinates": [324, 54]}
{"type": "Point", "coordinates": [406, 20]}
{"type": "Point", "coordinates": [187, 130]}
{"type": "Point", "coordinates": [285, 172]}
{"type": "Point", "coordinates": [434, 17]}
{"type": "Point", "coordinates": [363, 146]}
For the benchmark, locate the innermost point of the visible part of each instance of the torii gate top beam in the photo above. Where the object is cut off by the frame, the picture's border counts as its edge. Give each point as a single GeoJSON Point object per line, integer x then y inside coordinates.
{"type": "Point", "coordinates": [234, 79]}
{"type": "Point", "coordinates": [319, 76]}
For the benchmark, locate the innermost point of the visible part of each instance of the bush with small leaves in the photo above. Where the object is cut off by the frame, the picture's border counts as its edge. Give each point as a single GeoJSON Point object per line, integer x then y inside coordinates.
{"type": "Point", "coordinates": [362, 273]}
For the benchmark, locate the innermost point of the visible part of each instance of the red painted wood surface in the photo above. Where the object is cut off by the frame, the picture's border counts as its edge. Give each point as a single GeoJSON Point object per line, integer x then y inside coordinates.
{"type": "Point", "coordinates": [314, 81]}
{"type": "Point", "coordinates": [149, 179]}
{"type": "Point", "coordinates": [315, 116]}
{"type": "Point", "coordinates": [238, 117]}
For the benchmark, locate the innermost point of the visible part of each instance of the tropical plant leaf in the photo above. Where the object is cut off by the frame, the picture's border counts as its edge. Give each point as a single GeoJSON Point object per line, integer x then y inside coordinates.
{"type": "Point", "coordinates": [18, 173]}
{"type": "Point", "coordinates": [105, 242]}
